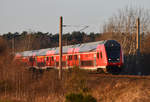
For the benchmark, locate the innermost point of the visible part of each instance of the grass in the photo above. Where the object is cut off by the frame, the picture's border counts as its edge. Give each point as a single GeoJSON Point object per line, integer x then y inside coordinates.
{"type": "Point", "coordinates": [20, 85]}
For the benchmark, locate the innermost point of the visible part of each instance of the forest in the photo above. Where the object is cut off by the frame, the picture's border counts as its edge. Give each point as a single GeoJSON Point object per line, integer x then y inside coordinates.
{"type": "Point", "coordinates": [39, 40]}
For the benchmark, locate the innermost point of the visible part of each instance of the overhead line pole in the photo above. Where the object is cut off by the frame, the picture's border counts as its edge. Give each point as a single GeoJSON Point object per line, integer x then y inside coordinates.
{"type": "Point", "coordinates": [138, 36]}
{"type": "Point", "coordinates": [138, 46]}
{"type": "Point", "coordinates": [60, 43]}
{"type": "Point", "coordinates": [60, 47]}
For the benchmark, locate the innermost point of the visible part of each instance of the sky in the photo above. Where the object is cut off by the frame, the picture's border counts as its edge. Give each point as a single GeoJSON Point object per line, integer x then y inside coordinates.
{"type": "Point", "coordinates": [43, 15]}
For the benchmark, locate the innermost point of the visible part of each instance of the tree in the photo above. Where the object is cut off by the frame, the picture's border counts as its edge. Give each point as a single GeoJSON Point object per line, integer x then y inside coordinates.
{"type": "Point", "coordinates": [122, 27]}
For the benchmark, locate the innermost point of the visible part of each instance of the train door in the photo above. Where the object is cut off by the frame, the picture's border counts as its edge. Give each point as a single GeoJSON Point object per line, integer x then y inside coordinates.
{"type": "Point", "coordinates": [101, 58]}
{"type": "Point", "coordinates": [57, 61]}
{"type": "Point", "coordinates": [43, 59]}
{"type": "Point", "coordinates": [98, 58]}
{"type": "Point", "coordinates": [32, 61]}
{"type": "Point", "coordinates": [64, 61]}
{"type": "Point", "coordinates": [39, 61]}
{"type": "Point", "coordinates": [75, 60]}
{"type": "Point", "coordinates": [52, 62]}
{"type": "Point", "coordinates": [47, 60]}
{"type": "Point", "coordinates": [70, 60]}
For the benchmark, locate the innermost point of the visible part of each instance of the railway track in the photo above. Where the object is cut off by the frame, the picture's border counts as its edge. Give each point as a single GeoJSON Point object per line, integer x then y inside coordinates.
{"type": "Point", "coordinates": [119, 76]}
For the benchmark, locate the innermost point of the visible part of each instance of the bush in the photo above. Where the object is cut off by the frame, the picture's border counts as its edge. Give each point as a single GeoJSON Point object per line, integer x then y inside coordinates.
{"type": "Point", "coordinates": [5, 101]}
{"type": "Point", "coordinates": [5, 85]}
{"type": "Point", "coordinates": [79, 98]}
{"type": "Point", "coordinates": [89, 98]}
{"type": "Point", "coordinates": [76, 81]}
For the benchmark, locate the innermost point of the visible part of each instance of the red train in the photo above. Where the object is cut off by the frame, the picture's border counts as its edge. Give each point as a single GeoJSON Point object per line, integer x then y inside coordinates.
{"type": "Point", "coordinates": [101, 55]}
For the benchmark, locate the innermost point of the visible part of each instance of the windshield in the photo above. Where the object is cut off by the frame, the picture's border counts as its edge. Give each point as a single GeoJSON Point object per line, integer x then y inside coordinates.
{"type": "Point", "coordinates": [113, 52]}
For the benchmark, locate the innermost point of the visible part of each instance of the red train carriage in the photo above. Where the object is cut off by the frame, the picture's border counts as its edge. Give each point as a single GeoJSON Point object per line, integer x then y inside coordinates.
{"type": "Point", "coordinates": [98, 55]}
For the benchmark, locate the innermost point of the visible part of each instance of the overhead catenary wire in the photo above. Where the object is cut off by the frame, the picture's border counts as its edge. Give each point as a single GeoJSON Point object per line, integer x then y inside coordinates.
{"type": "Point", "coordinates": [83, 27]}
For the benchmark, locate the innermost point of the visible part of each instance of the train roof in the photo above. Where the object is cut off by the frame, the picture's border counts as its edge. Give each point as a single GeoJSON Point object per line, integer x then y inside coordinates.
{"type": "Point", "coordinates": [85, 47]}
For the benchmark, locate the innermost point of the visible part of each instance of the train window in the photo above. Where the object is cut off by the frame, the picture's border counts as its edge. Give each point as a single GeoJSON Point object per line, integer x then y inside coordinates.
{"type": "Point", "coordinates": [52, 58]}
{"type": "Point", "coordinates": [47, 59]}
{"type": "Point", "coordinates": [70, 57]}
{"type": "Point", "coordinates": [87, 63]}
{"type": "Point", "coordinates": [31, 59]}
{"type": "Point", "coordinates": [75, 57]}
{"type": "Point", "coordinates": [101, 55]}
{"type": "Point", "coordinates": [97, 55]}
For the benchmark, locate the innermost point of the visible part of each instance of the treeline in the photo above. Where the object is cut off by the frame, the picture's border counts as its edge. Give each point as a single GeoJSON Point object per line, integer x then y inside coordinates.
{"type": "Point", "coordinates": [39, 40]}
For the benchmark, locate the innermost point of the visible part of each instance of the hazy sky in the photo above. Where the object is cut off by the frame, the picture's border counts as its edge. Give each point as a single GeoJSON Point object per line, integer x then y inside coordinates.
{"type": "Point", "coordinates": [43, 15]}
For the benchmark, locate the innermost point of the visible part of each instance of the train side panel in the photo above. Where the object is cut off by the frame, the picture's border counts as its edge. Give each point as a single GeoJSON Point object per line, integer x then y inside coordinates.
{"type": "Point", "coordinates": [101, 58]}
{"type": "Point", "coordinates": [91, 56]}
{"type": "Point", "coordinates": [87, 60]}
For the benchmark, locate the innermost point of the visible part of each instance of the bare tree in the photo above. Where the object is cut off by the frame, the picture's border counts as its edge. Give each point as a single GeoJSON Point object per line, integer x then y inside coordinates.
{"type": "Point", "coordinates": [122, 27]}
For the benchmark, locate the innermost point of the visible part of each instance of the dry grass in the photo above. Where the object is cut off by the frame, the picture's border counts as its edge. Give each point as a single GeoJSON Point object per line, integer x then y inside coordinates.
{"type": "Point", "coordinates": [20, 85]}
{"type": "Point", "coordinates": [122, 90]}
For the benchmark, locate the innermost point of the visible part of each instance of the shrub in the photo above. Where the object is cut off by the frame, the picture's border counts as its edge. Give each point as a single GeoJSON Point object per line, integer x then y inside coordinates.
{"type": "Point", "coordinates": [72, 97]}
{"type": "Point", "coordinates": [5, 101]}
{"type": "Point", "coordinates": [5, 85]}
{"type": "Point", "coordinates": [89, 98]}
{"type": "Point", "coordinates": [76, 81]}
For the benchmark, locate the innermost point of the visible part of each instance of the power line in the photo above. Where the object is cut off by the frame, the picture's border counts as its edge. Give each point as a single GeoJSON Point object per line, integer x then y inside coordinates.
{"type": "Point", "coordinates": [83, 27]}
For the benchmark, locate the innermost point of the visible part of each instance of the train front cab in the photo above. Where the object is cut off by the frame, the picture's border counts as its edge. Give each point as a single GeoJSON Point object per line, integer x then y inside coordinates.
{"type": "Point", "coordinates": [109, 57]}
{"type": "Point", "coordinates": [114, 57]}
